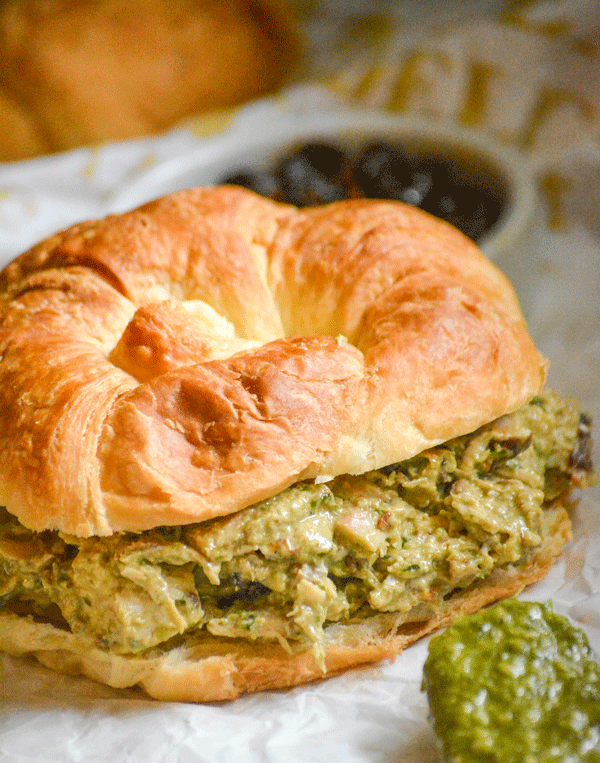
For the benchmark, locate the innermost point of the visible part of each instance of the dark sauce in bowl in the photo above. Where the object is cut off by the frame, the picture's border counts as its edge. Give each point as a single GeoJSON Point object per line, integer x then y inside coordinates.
{"type": "Point", "coordinates": [456, 186]}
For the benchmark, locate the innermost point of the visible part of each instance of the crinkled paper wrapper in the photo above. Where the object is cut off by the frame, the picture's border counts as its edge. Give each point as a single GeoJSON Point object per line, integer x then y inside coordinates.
{"type": "Point", "coordinates": [545, 102]}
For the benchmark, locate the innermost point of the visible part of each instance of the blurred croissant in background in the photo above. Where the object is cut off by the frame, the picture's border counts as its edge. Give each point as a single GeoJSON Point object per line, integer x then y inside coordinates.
{"type": "Point", "coordinates": [82, 72]}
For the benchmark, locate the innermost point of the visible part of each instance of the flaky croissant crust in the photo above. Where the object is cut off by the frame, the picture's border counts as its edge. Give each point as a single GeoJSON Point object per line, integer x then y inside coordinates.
{"type": "Point", "coordinates": [206, 350]}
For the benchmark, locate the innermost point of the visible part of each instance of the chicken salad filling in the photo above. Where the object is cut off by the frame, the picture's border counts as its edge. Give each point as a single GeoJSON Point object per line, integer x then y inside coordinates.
{"type": "Point", "coordinates": [400, 539]}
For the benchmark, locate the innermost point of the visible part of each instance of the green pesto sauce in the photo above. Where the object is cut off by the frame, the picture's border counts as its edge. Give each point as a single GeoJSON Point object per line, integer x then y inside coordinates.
{"type": "Point", "coordinates": [515, 683]}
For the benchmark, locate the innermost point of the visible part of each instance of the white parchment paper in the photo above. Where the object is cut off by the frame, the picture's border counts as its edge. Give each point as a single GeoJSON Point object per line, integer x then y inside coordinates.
{"type": "Point", "coordinates": [369, 715]}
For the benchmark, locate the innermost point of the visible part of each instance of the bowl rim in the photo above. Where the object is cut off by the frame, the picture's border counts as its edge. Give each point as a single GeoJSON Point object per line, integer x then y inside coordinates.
{"type": "Point", "coordinates": [252, 139]}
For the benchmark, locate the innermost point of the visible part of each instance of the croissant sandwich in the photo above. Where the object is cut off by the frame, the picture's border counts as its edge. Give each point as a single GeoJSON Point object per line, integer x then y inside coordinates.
{"type": "Point", "coordinates": [244, 446]}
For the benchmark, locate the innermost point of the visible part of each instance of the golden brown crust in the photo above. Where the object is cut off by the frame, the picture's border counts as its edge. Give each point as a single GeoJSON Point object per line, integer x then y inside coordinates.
{"type": "Point", "coordinates": [183, 360]}
{"type": "Point", "coordinates": [209, 438]}
{"type": "Point", "coordinates": [439, 326]}
{"type": "Point", "coordinates": [81, 72]}
{"type": "Point", "coordinates": [211, 669]}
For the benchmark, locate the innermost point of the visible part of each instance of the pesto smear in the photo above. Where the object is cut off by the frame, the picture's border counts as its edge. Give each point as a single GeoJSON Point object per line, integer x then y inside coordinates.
{"type": "Point", "coordinates": [394, 542]}
{"type": "Point", "coordinates": [514, 684]}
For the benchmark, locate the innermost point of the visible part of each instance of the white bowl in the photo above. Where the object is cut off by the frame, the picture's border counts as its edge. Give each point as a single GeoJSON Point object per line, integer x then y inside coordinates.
{"type": "Point", "coordinates": [256, 143]}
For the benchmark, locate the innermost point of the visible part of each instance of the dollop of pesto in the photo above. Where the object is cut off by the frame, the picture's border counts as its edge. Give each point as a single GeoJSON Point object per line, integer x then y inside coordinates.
{"type": "Point", "coordinates": [515, 683]}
